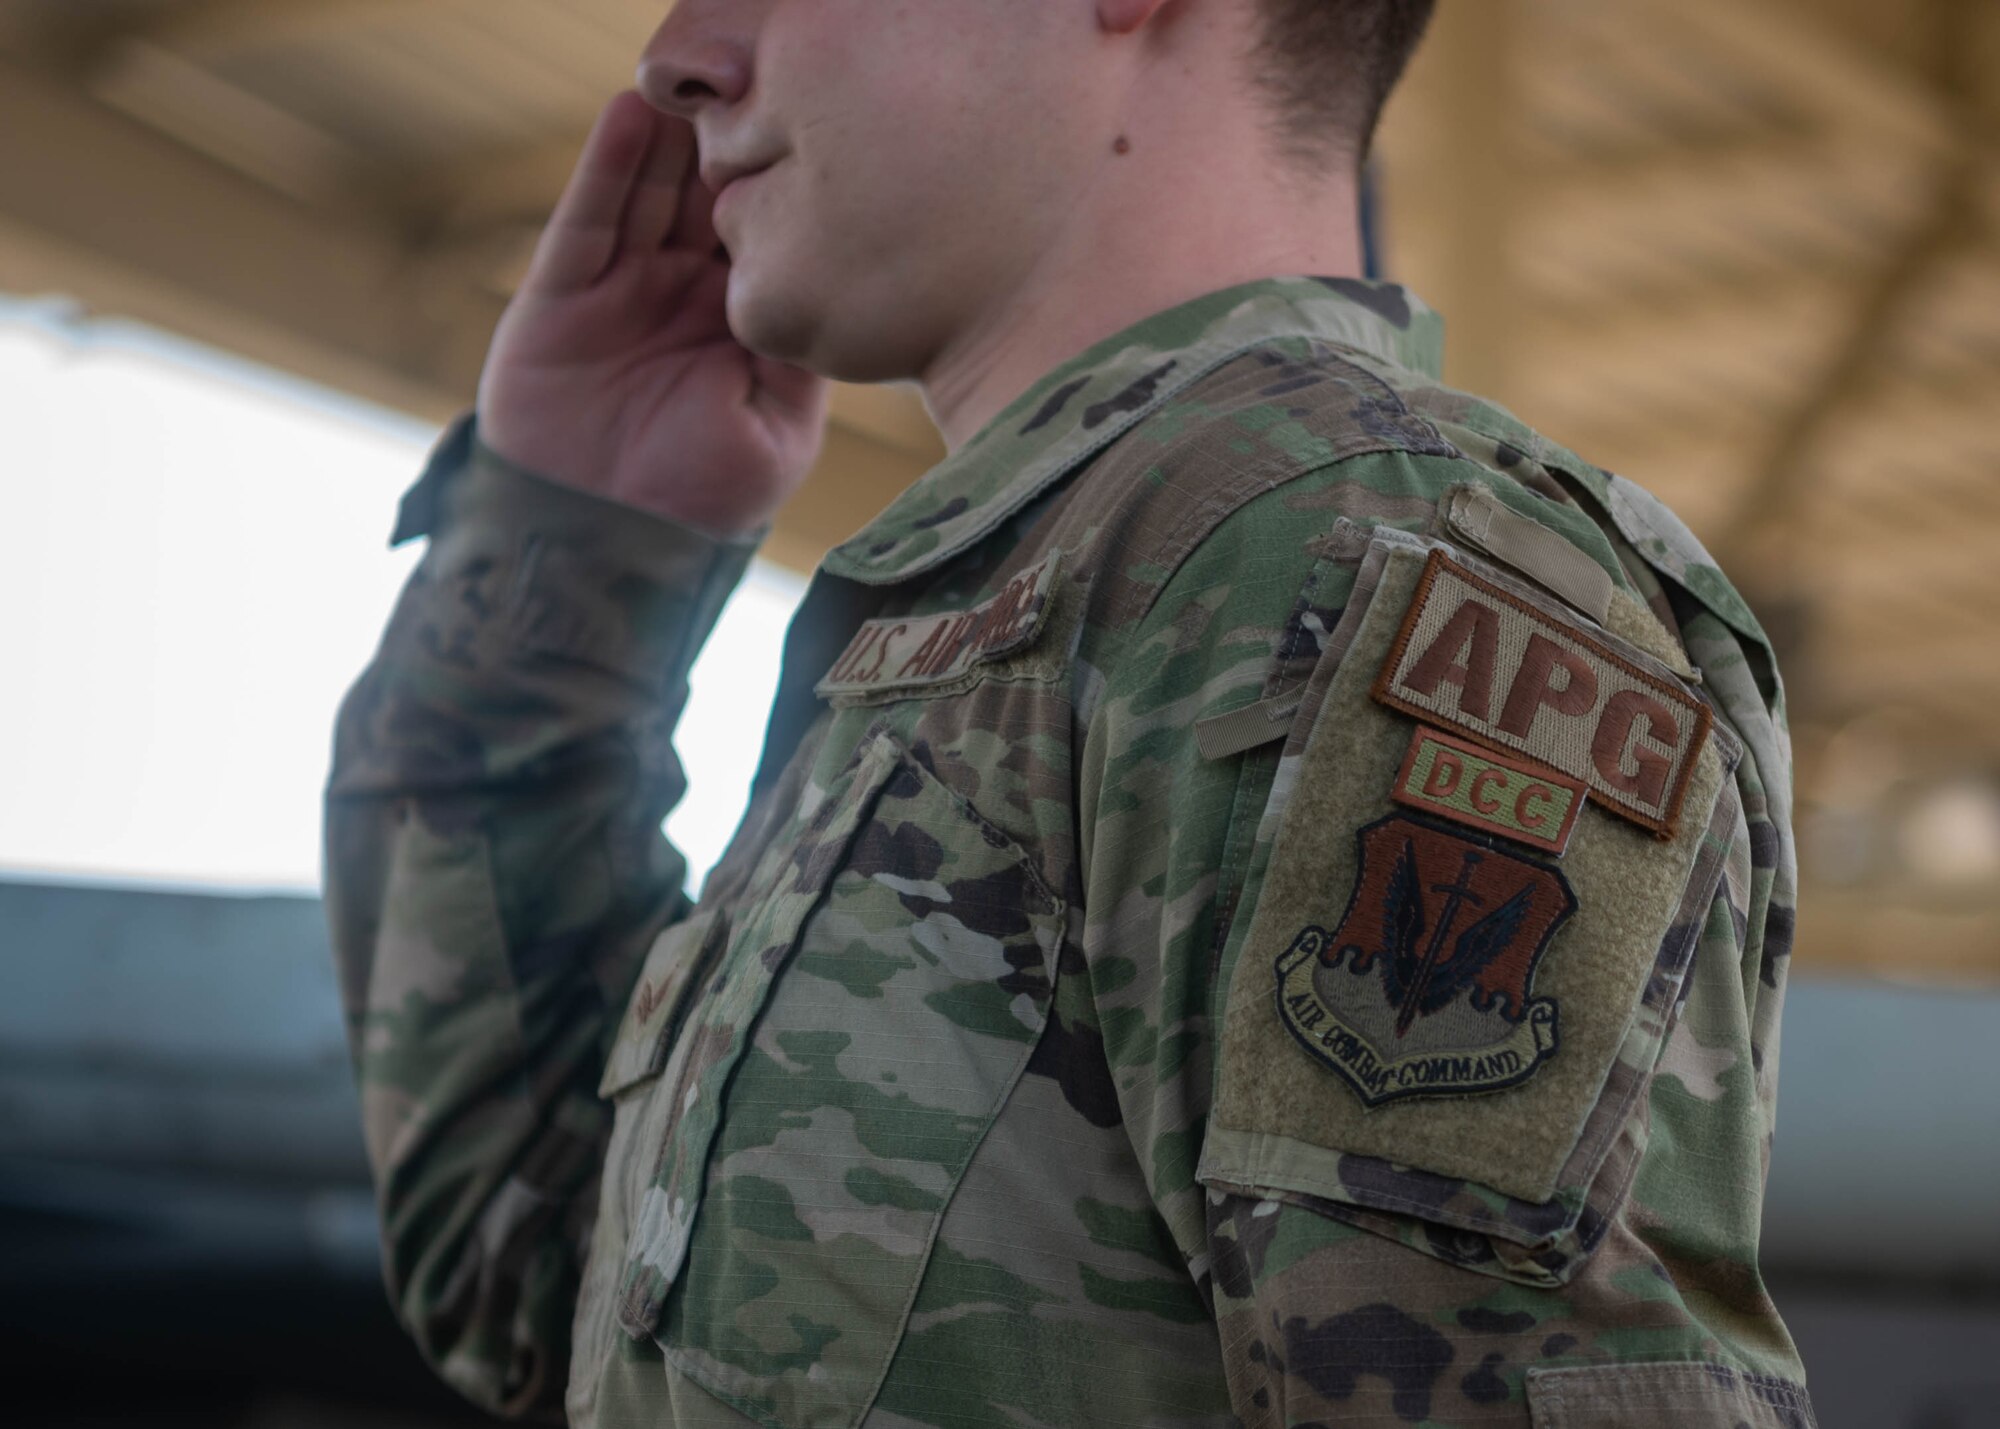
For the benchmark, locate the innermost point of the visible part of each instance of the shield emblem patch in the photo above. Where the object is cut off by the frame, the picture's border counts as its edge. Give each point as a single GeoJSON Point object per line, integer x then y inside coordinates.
{"type": "Point", "coordinates": [1426, 986]}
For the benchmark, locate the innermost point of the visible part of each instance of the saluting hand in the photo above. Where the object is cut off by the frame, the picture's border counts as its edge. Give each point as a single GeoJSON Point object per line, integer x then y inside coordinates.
{"type": "Point", "coordinates": [614, 369]}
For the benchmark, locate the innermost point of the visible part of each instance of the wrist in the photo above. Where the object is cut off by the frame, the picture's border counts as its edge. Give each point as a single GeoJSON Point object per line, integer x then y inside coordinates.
{"type": "Point", "coordinates": [665, 518]}
{"type": "Point", "coordinates": [710, 510]}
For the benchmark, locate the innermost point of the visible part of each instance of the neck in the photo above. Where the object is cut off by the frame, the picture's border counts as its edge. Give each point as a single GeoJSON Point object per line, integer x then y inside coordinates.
{"type": "Point", "coordinates": [1148, 244]}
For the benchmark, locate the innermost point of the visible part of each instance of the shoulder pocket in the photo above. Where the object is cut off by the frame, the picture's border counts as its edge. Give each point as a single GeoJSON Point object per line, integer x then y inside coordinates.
{"type": "Point", "coordinates": [870, 1016]}
{"type": "Point", "coordinates": [1472, 921]}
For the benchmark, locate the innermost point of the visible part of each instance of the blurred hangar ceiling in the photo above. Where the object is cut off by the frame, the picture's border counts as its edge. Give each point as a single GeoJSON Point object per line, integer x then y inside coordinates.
{"type": "Point", "coordinates": [1749, 255]}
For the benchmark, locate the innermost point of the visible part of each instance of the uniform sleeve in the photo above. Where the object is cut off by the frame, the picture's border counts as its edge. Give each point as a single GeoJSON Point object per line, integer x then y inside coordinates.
{"type": "Point", "coordinates": [1326, 1312]}
{"type": "Point", "coordinates": [494, 873]}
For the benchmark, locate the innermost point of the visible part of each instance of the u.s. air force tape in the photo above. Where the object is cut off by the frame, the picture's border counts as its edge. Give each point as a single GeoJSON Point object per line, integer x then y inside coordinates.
{"type": "Point", "coordinates": [912, 652]}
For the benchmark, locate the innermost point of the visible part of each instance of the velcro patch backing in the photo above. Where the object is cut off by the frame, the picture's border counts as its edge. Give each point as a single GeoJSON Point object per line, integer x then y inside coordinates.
{"type": "Point", "coordinates": [1284, 1119]}
{"type": "Point", "coordinates": [1514, 674]}
{"type": "Point", "coordinates": [914, 651]}
{"type": "Point", "coordinates": [1482, 789]}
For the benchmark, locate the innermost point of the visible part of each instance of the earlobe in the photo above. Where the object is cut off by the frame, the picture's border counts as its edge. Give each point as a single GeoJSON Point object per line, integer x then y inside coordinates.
{"type": "Point", "coordinates": [1122, 17]}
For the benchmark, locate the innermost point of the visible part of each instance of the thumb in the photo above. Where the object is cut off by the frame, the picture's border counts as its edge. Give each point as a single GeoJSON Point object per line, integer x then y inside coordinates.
{"type": "Point", "coordinates": [783, 388]}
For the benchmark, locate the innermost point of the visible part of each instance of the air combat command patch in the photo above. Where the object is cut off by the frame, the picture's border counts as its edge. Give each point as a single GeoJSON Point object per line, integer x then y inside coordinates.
{"type": "Point", "coordinates": [1426, 986]}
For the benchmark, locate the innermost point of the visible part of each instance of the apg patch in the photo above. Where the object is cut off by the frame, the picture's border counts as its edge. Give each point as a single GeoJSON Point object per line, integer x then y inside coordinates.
{"type": "Point", "coordinates": [1512, 674]}
{"type": "Point", "coordinates": [1426, 986]}
{"type": "Point", "coordinates": [1494, 793]}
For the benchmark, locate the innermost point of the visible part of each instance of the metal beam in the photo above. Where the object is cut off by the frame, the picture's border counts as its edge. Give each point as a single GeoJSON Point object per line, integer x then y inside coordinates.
{"type": "Point", "coordinates": [467, 196]}
{"type": "Point", "coordinates": [1657, 371]}
{"type": "Point", "coordinates": [157, 86]}
{"type": "Point", "coordinates": [1953, 220]}
{"type": "Point", "coordinates": [1795, 455]}
{"type": "Point", "coordinates": [1820, 72]}
{"type": "Point", "coordinates": [221, 26]}
{"type": "Point", "coordinates": [1879, 588]}
{"type": "Point", "coordinates": [1670, 226]}
{"type": "Point", "coordinates": [121, 216]}
{"type": "Point", "coordinates": [82, 43]}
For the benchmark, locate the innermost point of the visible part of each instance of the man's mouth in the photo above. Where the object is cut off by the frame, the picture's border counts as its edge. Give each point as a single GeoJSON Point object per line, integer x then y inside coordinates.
{"type": "Point", "coordinates": [718, 176]}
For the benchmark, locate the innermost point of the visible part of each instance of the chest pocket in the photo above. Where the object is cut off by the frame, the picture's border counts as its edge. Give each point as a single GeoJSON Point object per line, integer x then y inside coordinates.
{"type": "Point", "coordinates": [875, 1005]}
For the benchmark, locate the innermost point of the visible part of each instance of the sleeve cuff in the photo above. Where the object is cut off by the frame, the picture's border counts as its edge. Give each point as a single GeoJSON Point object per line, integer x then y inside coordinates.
{"type": "Point", "coordinates": [550, 569]}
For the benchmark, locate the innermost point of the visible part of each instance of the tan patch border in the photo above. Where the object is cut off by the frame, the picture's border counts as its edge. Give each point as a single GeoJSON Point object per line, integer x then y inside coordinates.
{"type": "Point", "coordinates": [1382, 691]}
{"type": "Point", "coordinates": [1509, 759]}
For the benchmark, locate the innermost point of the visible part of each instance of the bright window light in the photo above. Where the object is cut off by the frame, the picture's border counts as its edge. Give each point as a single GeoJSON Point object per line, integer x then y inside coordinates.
{"type": "Point", "coordinates": [193, 569]}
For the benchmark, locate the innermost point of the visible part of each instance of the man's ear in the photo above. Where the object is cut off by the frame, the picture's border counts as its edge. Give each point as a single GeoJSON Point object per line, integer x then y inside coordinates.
{"type": "Point", "coordinates": [1122, 17]}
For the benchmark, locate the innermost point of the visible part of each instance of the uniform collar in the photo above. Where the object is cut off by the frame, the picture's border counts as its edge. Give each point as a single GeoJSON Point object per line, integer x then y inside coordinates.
{"type": "Point", "coordinates": [1079, 408]}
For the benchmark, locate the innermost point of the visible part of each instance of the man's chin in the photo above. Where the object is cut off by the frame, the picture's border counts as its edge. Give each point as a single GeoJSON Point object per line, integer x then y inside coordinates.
{"type": "Point", "coordinates": [793, 323]}
{"type": "Point", "coordinates": [773, 326]}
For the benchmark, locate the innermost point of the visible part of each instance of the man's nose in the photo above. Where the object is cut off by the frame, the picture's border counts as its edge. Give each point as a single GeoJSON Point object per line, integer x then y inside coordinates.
{"type": "Point", "coordinates": [697, 57]}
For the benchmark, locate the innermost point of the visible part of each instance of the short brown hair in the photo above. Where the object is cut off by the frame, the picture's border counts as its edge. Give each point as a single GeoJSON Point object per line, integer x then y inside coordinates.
{"type": "Point", "coordinates": [1329, 66]}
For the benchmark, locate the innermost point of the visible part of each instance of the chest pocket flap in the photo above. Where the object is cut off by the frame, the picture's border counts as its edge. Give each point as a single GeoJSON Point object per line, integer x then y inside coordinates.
{"type": "Point", "coordinates": [870, 1017]}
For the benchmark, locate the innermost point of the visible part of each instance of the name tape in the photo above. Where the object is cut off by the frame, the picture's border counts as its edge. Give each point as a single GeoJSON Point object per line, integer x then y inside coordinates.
{"type": "Point", "coordinates": [913, 651]}
{"type": "Point", "coordinates": [1482, 789]}
{"type": "Point", "coordinates": [1486, 663]}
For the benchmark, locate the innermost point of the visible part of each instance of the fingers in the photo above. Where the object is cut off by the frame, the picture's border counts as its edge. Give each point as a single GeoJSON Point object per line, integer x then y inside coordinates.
{"type": "Point", "coordinates": [785, 386]}
{"type": "Point", "coordinates": [663, 178]}
{"type": "Point", "coordinates": [695, 230]}
{"type": "Point", "coordinates": [582, 234]}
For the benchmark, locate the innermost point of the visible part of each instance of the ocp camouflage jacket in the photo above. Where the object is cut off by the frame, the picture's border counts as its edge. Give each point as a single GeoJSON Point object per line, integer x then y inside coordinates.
{"type": "Point", "coordinates": [1266, 900]}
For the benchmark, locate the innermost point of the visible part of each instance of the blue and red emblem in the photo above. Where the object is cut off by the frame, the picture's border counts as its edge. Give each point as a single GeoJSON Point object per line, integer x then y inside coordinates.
{"type": "Point", "coordinates": [1426, 986]}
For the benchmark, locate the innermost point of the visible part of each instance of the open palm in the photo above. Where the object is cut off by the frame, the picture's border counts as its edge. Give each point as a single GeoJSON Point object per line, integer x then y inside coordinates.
{"type": "Point", "coordinates": [614, 369]}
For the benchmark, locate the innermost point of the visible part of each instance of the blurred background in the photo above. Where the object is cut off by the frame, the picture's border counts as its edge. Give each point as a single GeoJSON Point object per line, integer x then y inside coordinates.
{"type": "Point", "coordinates": [251, 252]}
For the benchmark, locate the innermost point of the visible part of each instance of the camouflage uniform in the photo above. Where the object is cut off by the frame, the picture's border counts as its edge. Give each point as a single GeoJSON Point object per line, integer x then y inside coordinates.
{"type": "Point", "coordinates": [969, 1092]}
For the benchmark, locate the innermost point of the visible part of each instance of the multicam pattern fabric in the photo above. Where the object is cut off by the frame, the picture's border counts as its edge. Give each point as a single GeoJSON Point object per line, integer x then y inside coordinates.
{"type": "Point", "coordinates": [904, 1122]}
